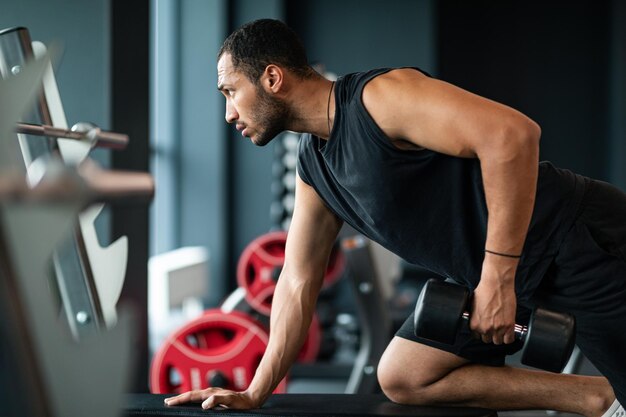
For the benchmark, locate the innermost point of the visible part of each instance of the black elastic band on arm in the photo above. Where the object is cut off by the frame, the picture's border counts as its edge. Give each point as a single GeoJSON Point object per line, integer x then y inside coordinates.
{"type": "Point", "coordinates": [507, 255]}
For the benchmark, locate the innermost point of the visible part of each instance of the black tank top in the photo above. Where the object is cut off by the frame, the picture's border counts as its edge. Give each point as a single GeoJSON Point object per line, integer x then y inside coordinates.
{"type": "Point", "coordinates": [426, 207]}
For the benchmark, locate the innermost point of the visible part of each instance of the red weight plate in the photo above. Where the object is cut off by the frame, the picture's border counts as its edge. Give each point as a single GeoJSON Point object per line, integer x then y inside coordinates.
{"type": "Point", "coordinates": [259, 267]}
{"type": "Point", "coordinates": [217, 347]}
{"type": "Point", "coordinates": [261, 262]}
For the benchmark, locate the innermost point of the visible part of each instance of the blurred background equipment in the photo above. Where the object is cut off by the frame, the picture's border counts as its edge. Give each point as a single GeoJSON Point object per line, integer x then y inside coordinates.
{"type": "Point", "coordinates": [44, 255]}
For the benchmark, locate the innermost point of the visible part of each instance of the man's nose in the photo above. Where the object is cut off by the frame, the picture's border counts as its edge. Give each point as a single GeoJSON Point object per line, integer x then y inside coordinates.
{"type": "Point", "coordinates": [231, 113]}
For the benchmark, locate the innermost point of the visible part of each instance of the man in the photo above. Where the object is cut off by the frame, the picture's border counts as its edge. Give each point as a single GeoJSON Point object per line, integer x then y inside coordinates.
{"type": "Point", "coordinates": [448, 180]}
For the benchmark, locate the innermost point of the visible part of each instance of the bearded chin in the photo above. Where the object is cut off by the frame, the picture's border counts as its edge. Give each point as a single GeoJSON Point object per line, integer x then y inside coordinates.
{"type": "Point", "coordinates": [273, 115]}
{"type": "Point", "coordinates": [269, 133]}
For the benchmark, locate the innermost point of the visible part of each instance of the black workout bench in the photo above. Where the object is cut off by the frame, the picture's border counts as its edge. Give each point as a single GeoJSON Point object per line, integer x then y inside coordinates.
{"type": "Point", "coordinates": [302, 405]}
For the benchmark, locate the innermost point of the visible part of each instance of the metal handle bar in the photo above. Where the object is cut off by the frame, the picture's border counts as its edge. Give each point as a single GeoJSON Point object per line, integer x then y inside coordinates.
{"type": "Point", "coordinates": [80, 131]}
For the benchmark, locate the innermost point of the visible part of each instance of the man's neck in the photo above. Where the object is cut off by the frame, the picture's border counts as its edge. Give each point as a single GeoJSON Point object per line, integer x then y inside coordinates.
{"type": "Point", "coordinates": [313, 111]}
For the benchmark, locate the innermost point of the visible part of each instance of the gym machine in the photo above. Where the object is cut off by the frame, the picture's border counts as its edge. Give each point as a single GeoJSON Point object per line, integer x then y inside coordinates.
{"type": "Point", "coordinates": [90, 277]}
{"type": "Point", "coordinates": [48, 185]}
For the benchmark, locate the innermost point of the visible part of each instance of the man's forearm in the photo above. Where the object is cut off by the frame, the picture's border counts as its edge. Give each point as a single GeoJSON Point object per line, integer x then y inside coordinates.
{"type": "Point", "coordinates": [293, 306]}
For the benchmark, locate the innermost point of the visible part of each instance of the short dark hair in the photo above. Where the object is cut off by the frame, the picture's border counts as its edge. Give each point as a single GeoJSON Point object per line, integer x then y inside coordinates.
{"type": "Point", "coordinates": [262, 42]}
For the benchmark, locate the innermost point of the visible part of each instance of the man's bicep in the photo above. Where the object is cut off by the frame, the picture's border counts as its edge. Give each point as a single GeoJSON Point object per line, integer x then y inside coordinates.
{"type": "Point", "coordinates": [312, 233]}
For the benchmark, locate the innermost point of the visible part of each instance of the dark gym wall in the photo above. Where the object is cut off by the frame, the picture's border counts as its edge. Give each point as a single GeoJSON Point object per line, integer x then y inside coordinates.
{"type": "Point", "coordinates": [550, 60]}
{"type": "Point", "coordinates": [357, 35]}
{"type": "Point", "coordinates": [618, 93]}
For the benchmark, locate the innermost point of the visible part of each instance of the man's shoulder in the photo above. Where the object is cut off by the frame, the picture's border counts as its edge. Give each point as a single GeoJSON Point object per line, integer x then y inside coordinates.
{"type": "Point", "coordinates": [351, 86]}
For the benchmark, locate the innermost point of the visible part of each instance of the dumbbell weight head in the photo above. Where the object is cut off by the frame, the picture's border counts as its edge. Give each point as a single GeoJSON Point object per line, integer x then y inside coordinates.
{"type": "Point", "coordinates": [290, 141]}
{"type": "Point", "coordinates": [289, 203]}
{"type": "Point", "coordinates": [289, 181]}
{"type": "Point", "coordinates": [439, 310]}
{"type": "Point", "coordinates": [550, 340]}
{"type": "Point", "coordinates": [290, 160]}
{"type": "Point", "coordinates": [277, 212]}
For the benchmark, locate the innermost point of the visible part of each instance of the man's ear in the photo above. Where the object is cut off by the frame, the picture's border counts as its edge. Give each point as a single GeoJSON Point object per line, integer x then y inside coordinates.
{"type": "Point", "coordinates": [272, 79]}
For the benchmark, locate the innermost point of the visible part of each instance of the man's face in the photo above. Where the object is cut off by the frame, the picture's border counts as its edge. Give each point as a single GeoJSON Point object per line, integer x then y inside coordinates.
{"type": "Point", "coordinates": [256, 113]}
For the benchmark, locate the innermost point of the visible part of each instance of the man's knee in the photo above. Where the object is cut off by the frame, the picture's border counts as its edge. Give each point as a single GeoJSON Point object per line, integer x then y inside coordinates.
{"type": "Point", "coordinates": [397, 387]}
{"type": "Point", "coordinates": [407, 371]}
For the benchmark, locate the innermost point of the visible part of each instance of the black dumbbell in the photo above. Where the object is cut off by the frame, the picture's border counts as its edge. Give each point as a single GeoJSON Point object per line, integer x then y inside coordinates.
{"type": "Point", "coordinates": [442, 307]}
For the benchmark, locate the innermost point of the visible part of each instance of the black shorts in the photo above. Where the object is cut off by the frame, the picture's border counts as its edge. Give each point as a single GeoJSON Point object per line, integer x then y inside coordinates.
{"type": "Point", "coordinates": [587, 278]}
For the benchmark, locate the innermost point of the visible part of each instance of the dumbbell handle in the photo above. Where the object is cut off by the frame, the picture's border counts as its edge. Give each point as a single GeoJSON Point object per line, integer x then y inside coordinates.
{"type": "Point", "coordinates": [520, 331]}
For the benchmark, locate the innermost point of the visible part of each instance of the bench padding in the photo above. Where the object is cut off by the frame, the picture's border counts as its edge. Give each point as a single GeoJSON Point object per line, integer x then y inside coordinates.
{"type": "Point", "coordinates": [302, 405]}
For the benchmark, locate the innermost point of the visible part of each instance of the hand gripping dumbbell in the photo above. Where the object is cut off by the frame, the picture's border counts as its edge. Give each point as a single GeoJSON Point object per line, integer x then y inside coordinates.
{"type": "Point", "coordinates": [442, 307]}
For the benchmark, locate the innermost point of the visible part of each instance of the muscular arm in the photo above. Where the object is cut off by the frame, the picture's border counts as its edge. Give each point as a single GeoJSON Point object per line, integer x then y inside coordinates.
{"type": "Point", "coordinates": [311, 236]}
{"type": "Point", "coordinates": [413, 108]}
